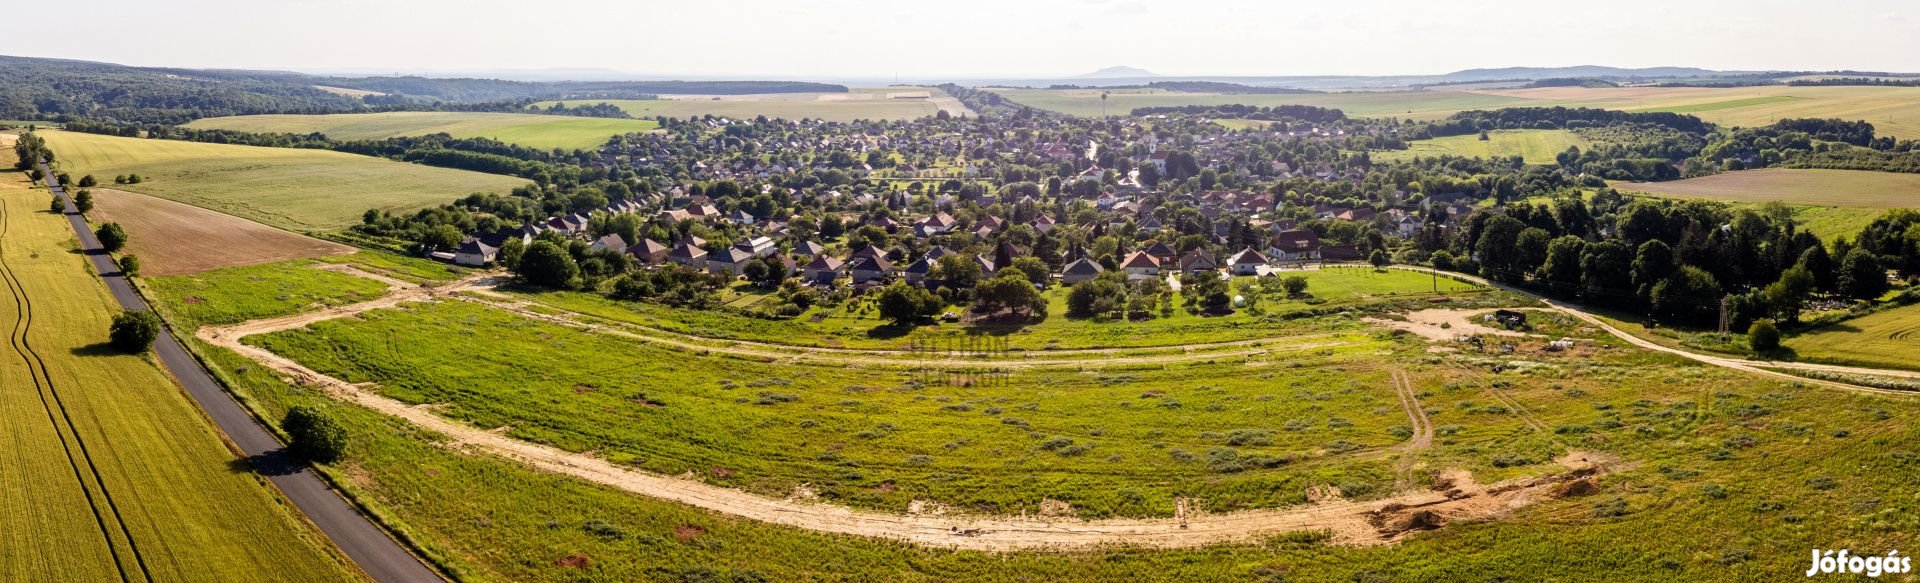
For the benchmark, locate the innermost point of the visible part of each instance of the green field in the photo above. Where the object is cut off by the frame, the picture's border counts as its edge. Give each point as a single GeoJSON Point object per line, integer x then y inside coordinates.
{"type": "Point", "coordinates": [1535, 146]}
{"type": "Point", "coordinates": [1894, 111]}
{"type": "Point", "coordinates": [1703, 447]}
{"type": "Point", "coordinates": [858, 103]}
{"type": "Point", "coordinates": [295, 189]}
{"type": "Point", "coordinates": [1883, 339]}
{"type": "Point", "coordinates": [111, 472]}
{"type": "Point", "coordinates": [1832, 202]}
{"type": "Point", "coordinates": [532, 130]}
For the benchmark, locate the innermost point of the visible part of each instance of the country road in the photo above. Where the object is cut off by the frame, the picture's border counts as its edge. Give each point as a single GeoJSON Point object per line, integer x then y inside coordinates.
{"type": "Point", "coordinates": [367, 544]}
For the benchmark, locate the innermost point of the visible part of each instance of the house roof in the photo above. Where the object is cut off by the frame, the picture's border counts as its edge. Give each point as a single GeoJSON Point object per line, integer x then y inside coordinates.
{"type": "Point", "coordinates": [475, 247]}
{"type": "Point", "coordinates": [1249, 256]}
{"type": "Point", "coordinates": [685, 251]}
{"type": "Point", "coordinates": [732, 255]}
{"type": "Point", "coordinates": [1140, 259]}
{"type": "Point", "coordinates": [1158, 249]}
{"type": "Point", "coordinates": [871, 264]}
{"type": "Point", "coordinates": [1083, 266]}
{"type": "Point", "coordinates": [647, 247]}
{"type": "Point", "coordinates": [825, 262]}
{"type": "Point", "coordinates": [1198, 259]}
{"type": "Point", "coordinates": [1296, 240]}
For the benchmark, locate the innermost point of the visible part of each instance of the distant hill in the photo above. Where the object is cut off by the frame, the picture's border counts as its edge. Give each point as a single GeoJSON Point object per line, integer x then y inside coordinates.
{"type": "Point", "coordinates": [1117, 73]}
{"type": "Point", "coordinates": [64, 90]}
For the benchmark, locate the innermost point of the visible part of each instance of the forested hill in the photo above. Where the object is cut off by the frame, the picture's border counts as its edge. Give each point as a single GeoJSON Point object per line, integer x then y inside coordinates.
{"type": "Point", "coordinates": [62, 90]}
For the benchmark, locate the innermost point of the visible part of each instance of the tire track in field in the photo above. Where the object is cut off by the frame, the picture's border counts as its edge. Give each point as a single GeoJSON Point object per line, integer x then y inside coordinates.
{"type": "Point", "coordinates": [44, 386]}
{"type": "Point", "coordinates": [1422, 427]}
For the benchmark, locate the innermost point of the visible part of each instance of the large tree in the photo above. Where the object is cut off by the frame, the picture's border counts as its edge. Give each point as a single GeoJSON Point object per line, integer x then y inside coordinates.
{"type": "Point", "coordinates": [1861, 276]}
{"type": "Point", "coordinates": [546, 264]}
{"type": "Point", "coordinates": [905, 303]}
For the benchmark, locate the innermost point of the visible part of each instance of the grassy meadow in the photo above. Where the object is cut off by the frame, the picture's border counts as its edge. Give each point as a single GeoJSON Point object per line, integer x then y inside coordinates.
{"type": "Point", "coordinates": [857, 103]}
{"type": "Point", "coordinates": [295, 189]}
{"type": "Point", "coordinates": [531, 130]}
{"type": "Point", "coordinates": [1704, 447]}
{"type": "Point", "coordinates": [1881, 339]}
{"type": "Point", "coordinates": [115, 425]}
{"type": "Point", "coordinates": [1534, 146]}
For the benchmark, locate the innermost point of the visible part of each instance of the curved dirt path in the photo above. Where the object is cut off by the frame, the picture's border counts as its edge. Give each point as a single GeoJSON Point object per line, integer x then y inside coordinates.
{"type": "Point", "coordinates": [1352, 522]}
{"type": "Point", "coordinates": [1751, 366]}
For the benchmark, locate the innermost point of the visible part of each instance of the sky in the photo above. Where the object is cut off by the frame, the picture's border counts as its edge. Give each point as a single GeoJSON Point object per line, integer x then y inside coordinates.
{"type": "Point", "coordinates": [826, 39]}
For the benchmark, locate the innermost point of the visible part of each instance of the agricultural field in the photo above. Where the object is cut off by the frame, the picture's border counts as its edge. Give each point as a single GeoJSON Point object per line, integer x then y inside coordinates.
{"type": "Point", "coordinates": [1894, 111]}
{"type": "Point", "coordinates": [1832, 202]}
{"type": "Point", "coordinates": [1534, 146]}
{"type": "Point", "coordinates": [858, 103]}
{"type": "Point", "coordinates": [1691, 445]}
{"type": "Point", "coordinates": [1881, 339]}
{"type": "Point", "coordinates": [112, 473]}
{"type": "Point", "coordinates": [173, 238]}
{"type": "Point", "coordinates": [294, 189]}
{"type": "Point", "coordinates": [531, 130]}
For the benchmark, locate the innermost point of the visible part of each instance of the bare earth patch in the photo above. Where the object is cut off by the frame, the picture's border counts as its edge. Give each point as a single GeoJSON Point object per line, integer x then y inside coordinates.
{"type": "Point", "coordinates": [174, 239]}
{"type": "Point", "coordinates": [1444, 324]}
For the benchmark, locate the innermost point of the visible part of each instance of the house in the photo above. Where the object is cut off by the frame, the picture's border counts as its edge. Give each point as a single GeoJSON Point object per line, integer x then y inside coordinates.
{"type": "Point", "coordinates": [808, 248]}
{"type": "Point", "coordinates": [869, 269]}
{"type": "Point", "coordinates": [689, 256]}
{"type": "Point", "coordinates": [1162, 254]}
{"type": "Point", "coordinates": [1294, 245]}
{"type": "Point", "coordinates": [918, 270]}
{"type": "Point", "coordinates": [823, 270]}
{"type": "Point", "coordinates": [611, 242]}
{"type": "Point", "coordinates": [1339, 253]}
{"type": "Point", "coordinates": [1080, 270]}
{"type": "Point", "coordinates": [1141, 265]}
{"type": "Point", "coordinates": [758, 246]}
{"type": "Point", "coordinates": [1198, 261]}
{"type": "Point", "coordinates": [1247, 262]}
{"type": "Point", "coordinates": [649, 251]}
{"type": "Point", "coordinates": [473, 253]}
{"type": "Point", "coordinates": [730, 261]}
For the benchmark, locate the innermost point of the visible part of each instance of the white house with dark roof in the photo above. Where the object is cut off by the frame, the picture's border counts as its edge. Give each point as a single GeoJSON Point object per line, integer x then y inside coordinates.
{"type": "Point", "coordinates": [1247, 262]}
{"type": "Point", "coordinates": [729, 261]}
{"type": "Point", "coordinates": [473, 253]}
{"type": "Point", "coordinates": [1141, 265]}
{"type": "Point", "coordinates": [1080, 270]}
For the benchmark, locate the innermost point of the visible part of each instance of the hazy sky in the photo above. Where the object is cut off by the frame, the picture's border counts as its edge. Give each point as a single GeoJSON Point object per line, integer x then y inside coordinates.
{"type": "Point", "coordinates": [976, 38]}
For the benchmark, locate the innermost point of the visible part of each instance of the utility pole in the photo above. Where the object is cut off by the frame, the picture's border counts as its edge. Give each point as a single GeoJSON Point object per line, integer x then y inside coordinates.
{"type": "Point", "coordinates": [1725, 323]}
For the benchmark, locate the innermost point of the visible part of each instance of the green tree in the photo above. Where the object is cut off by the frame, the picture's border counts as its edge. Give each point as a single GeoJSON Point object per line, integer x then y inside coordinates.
{"type": "Point", "coordinates": [1497, 248]}
{"type": "Point", "coordinates": [133, 332]}
{"type": "Point", "coordinates": [1786, 295]}
{"type": "Point", "coordinates": [511, 252]}
{"type": "Point", "coordinates": [1861, 276]}
{"type": "Point", "coordinates": [59, 205]}
{"type": "Point", "coordinates": [1819, 264]}
{"type": "Point", "coordinates": [441, 238]}
{"type": "Point", "coordinates": [1763, 337]}
{"type": "Point", "coordinates": [1561, 271]}
{"type": "Point", "coordinates": [314, 435]}
{"type": "Point", "coordinates": [905, 303]}
{"type": "Point", "coordinates": [1296, 285]}
{"type": "Point", "coordinates": [959, 271]}
{"type": "Point", "coordinates": [1652, 263]}
{"type": "Point", "coordinates": [87, 181]}
{"type": "Point", "coordinates": [1206, 293]}
{"type": "Point", "coordinates": [83, 201]}
{"type": "Point", "coordinates": [111, 237]}
{"type": "Point", "coordinates": [1689, 296]}
{"type": "Point", "coordinates": [1379, 259]}
{"type": "Point", "coordinates": [1101, 296]}
{"type": "Point", "coordinates": [130, 265]}
{"type": "Point", "coordinates": [546, 264]}
{"type": "Point", "coordinates": [1008, 291]}
{"type": "Point", "coordinates": [1036, 270]}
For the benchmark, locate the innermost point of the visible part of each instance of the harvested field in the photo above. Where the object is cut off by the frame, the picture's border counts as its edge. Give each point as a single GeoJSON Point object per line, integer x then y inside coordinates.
{"type": "Point", "coordinates": [1837, 188]}
{"type": "Point", "coordinates": [858, 103]}
{"type": "Point", "coordinates": [175, 239]}
{"type": "Point", "coordinates": [531, 130]}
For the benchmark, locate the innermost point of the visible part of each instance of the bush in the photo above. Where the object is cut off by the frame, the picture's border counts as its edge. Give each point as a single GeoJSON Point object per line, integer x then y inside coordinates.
{"type": "Point", "coordinates": [134, 332]}
{"type": "Point", "coordinates": [1762, 336]}
{"type": "Point", "coordinates": [130, 265]}
{"type": "Point", "coordinates": [112, 237]}
{"type": "Point", "coordinates": [87, 181]}
{"type": "Point", "coordinates": [316, 436]}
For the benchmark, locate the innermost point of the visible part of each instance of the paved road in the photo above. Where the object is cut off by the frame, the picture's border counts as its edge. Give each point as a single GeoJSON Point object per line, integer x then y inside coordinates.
{"type": "Point", "coordinates": [1752, 366]}
{"type": "Point", "coordinates": [367, 544]}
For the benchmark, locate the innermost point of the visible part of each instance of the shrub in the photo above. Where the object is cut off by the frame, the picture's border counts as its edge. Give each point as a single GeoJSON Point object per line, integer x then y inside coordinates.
{"type": "Point", "coordinates": [134, 332]}
{"type": "Point", "coordinates": [316, 436]}
{"type": "Point", "coordinates": [1762, 336]}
